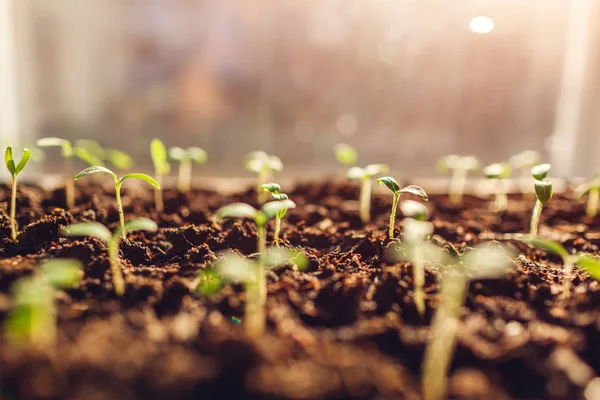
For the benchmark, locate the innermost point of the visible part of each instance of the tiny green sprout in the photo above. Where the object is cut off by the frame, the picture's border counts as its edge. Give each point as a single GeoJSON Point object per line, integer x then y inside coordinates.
{"type": "Point", "coordinates": [460, 167]}
{"type": "Point", "coordinates": [584, 260]}
{"type": "Point", "coordinates": [68, 153]}
{"type": "Point", "coordinates": [543, 193]}
{"type": "Point", "coordinates": [89, 151]}
{"type": "Point", "coordinates": [252, 274]}
{"type": "Point", "coordinates": [592, 189]}
{"type": "Point", "coordinates": [345, 154]}
{"type": "Point", "coordinates": [118, 158]}
{"type": "Point", "coordinates": [498, 172]}
{"type": "Point", "coordinates": [118, 182]}
{"type": "Point", "coordinates": [99, 231]}
{"type": "Point", "coordinates": [15, 170]}
{"type": "Point", "coordinates": [264, 165]}
{"type": "Point", "coordinates": [186, 157]}
{"type": "Point", "coordinates": [365, 175]}
{"type": "Point", "coordinates": [396, 191]}
{"type": "Point", "coordinates": [32, 319]}
{"type": "Point", "coordinates": [276, 195]}
{"type": "Point", "coordinates": [158, 153]}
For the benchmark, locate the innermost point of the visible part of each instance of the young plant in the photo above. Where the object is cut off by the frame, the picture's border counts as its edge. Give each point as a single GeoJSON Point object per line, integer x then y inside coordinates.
{"type": "Point", "coordinates": [32, 319]}
{"type": "Point", "coordinates": [252, 274]}
{"type": "Point", "coordinates": [99, 231]}
{"type": "Point", "coordinates": [264, 165]}
{"type": "Point", "coordinates": [15, 170]}
{"type": "Point", "coordinates": [524, 161]}
{"type": "Point", "coordinates": [276, 195]}
{"type": "Point", "coordinates": [118, 158]}
{"type": "Point", "coordinates": [67, 153]}
{"type": "Point", "coordinates": [89, 151]}
{"type": "Point", "coordinates": [460, 167]}
{"type": "Point", "coordinates": [592, 189]}
{"type": "Point", "coordinates": [396, 191]}
{"type": "Point", "coordinates": [365, 175]}
{"type": "Point", "coordinates": [186, 157]}
{"type": "Point", "coordinates": [498, 172]}
{"type": "Point", "coordinates": [543, 193]}
{"type": "Point", "coordinates": [584, 260]}
{"type": "Point", "coordinates": [345, 155]}
{"type": "Point", "coordinates": [158, 152]}
{"type": "Point", "coordinates": [118, 182]}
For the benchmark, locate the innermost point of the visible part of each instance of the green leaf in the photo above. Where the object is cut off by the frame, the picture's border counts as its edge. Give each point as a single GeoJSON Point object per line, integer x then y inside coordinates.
{"type": "Point", "coordinates": [61, 273]}
{"type": "Point", "coordinates": [497, 171]}
{"type": "Point", "coordinates": [197, 154]}
{"type": "Point", "coordinates": [235, 268]}
{"type": "Point", "coordinates": [279, 256]}
{"type": "Point", "coordinates": [415, 230]}
{"type": "Point", "coordinates": [274, 163]}
{"type": "Point", "coordinates": [141, 224]}
{"type": "Point", "coordinates": [590, 264]}
{"type": "Point", "coordinates": [547, 245]}
{"type": "Point", "coordinates": [236, 210]}
{"type": "Point", "coordinates": [376, 169]}
{"type": "Point", "coordinates": [416, 190]}
{"type": "Point", "coordinates": [94, 170]}
{"type": "Point", "coordinates": [92, 147]}
{"type": "Point", "coordinates": [256, 161]}
{"type": "Point", "coordinates": [540, 171]}
{"type": "Point", "coordinates": [32, 290]}
{"type": "Point", "coordinates": [271, 208]}
{"type": "Point", "coordinates": [414, 209]}
{"type": "Point", "coordinates": [581, 190]}
{"type": "Point", "coordinates": [356, 173]}
{"type": "Point", "coordinates": [209, 284]}
{"type": "Point", "coordinates": [279, 196]}
{"type": "Point", "coordinates": [271, 187]}
{"type": "Point", "coordinates": [543, 191]}
{"type": "Point", "coordinates": [119, 159]}
{"type": "Point", "coordinates": [390, 183]}
{"type": "Point", "coordinates": [9, 161]}
{"type": "Point", "coordinates": [345, 154]}
{"type": "Point", "coordinates": [94, 229]}
{"type": "Point", "coordinates": [158, 152]}
{"type": "Point", "coordinates": [24, 159]}
{"type": "Point", "coordinates": [143, 177]}
{"type": "Point", "coordinates": [87, 157]}
{"type": "Point", "coordinates": [469, 163]}
{"type": "Point", "coordinates": [65, 145]}
{"type": "Point", "coordinates": [177, 153]}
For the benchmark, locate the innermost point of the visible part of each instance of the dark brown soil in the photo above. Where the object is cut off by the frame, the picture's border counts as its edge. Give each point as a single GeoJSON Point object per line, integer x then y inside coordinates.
{"type": "Point", "coordinates": [345, 328]}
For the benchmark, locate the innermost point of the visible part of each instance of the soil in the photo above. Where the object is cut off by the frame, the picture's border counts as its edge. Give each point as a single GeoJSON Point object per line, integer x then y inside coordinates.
{"type": "Point", "coordinates": [346, 327]}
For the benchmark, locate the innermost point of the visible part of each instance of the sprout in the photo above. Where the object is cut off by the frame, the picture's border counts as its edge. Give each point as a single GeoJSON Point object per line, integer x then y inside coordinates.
{"type": "Point", "coordinates": [158, 152]}
{"type": "Point", "coordinates": [418, 251]}
{"type": "Point", "coordinates": [32, 319]}
{"type": "Point", "coordinates": [185, 158]}
{"type": "Point", "coordinates": [118, 158]}
{"type": "Point", "coordinates": [118, 182]}
{"type": "Point", "coordinates": [592, 189]}
{"type": "Point", "coordinates": [89, 151]}
{"type": "Point", "coordinates": [365, 175]}
{"type": "Point", "coordinates": [543, 193]}
{"type": "Point", "coordinates": [99, 231]}
{"type": "Point", "coordinates": [252, 274]}
{"type": "Point", "coordinates": [395, 189]}
{"type": "Point", "coordinates": [262, 164]}
{"type": "Point", "coordinates": [15, 170]}
{"type": "Point", "coordinates": [345, 154]}
{"type": "Point", "coordinates": [67, 153]}
{"type": "Point", "coordinates": [498, 172]}
{"type": "Point", "coordinates": [275, 190]}
{"type": "Point", "coordinates": [524, 161]}
{"type": "Point", "coordinates": [460, 167]}
{"type": "Point", "coordinates": [584, 260]}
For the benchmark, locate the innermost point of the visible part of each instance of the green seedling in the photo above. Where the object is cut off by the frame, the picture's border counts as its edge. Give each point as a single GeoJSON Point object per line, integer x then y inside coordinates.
{"type": "Point", "coordinates": [276, 195]}
{"type": "Point", "coordinates": [584, 260]}
{"type": "Point", "coordinates": [543, 193]}
{"type": "Point", "coordinates": [99, 231]}
{"type": "Point", "coordinates": [160, 159]}
{"type": "Point", "coordinates": [345, 155]}
{"type": "Point", "coordinates": [89, 151]}
{"type": "Point", "coordinates": [396, 191]}
{"type": "Point", "coordinates": [592, 189]}
{"type": "Point", "coordinates": [365, 175]}
{"type": "Point", "coordinates": [460, 167]}
{"type": "Point", "coordinates": [252, 274]}
{"type": "Point", "coordinates": [32, 319]}
{"type": "Point", "coordinates": [67, 153]}
{"type": "Point", "coordinates": [118, 158]}
{"type": "Point", "coordinates": [524, 161]}
{"type": "Point", "coordinates": [264, 165]}
{"type": "Point", "coordinates": [15, 170]}
{"type": "Point", "coordinates": [186, 157]}
{"type": "Point", "coordinates": [118, 182]}
{"type": "Point", "coordinates": [498, 172]}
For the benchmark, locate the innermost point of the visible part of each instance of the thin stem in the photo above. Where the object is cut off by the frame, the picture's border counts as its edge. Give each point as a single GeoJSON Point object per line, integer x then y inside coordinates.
{"type": "Point", "coordinates": [263, 177]}
{"type": "Point", "coordinates": [120, 208]}
{"type": "Point", "coordinates": [457, 185]}
{"type": "Point", "coordinates": [393, 214]}
{"type": "Point", "coordinates": [419, 279]}
{"type": "Point", "coordinates": [69, 187]}
{"type": "Point", "coordinates": [256, 291]}
{"type": "Point", "coordinates": [185, 175]}
{"type": "Point", "coordinates": [115, 266]}
{"type": "Point", "coordinates": [535, 218]}
{"type": "Point", "coordinates": [567, 269]}
{"type": "Point", "coordinates": [592, 204]}
{"type": "Point", "coordinates": [365, 200]}
{"type": "Point", "coordinates": [13, 209]}
{"type": "Point", "coordinates": [501, 200]}
{"type": "Point", "coordinates": [277, 229]}
{"type": "Point", "coordinates": [158, 196]}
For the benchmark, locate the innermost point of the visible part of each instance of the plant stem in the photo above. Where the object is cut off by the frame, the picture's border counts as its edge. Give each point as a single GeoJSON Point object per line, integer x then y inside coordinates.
{"type": "Point", "coordinates": [438, 353]}
{"type": "Point", "coordinates": [115, 265]}
{"type": "Point", "coordinates": [256, 291]}
{"type": "Point", "coordinates": [393, 214]}
{"type": "Point", "coordinates": [365, 200]}
{"type": "Point", "coordinates": [158, 196]}
{"type": "Point", "coordinates": [120, 208]}
{"type": "Point", "coordinates": [592, 204]}
{"type": "Point", "coordinates": [185, 175]}
{"type": "Point", "coordinates": [535, 218]}
{"type": "Point", "coordinates": [457, 185]}
{"type": "Point", "coordinates": [69, 187]}
{"type": "Point", "coordinates": [277, 229]}
{"type": "Point", "coordinates": [419, 280]}
{"type": "Point", "coordinates": [263, 177]}
{"type": "Point", "coordinates": [501, 200]}
{"type": "Point", "coordinates": [13, 209]}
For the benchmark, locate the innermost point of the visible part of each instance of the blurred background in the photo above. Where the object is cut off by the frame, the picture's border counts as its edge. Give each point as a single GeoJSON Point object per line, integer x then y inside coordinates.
{"type": "Point", "coordinates": [404, 81]}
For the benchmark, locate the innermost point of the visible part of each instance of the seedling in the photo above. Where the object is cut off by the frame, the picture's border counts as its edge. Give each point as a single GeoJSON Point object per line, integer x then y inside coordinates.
{"type": "Point", "coordinates": [584, 260]}
{"type": "Point", "coordinates": [89, 151]}
{"type": "Point", "coordinates": [118, 158]}
{"type": "Point", "coordinates": [396, 191]}
{"type": "Point", "coordinates": [158, 152]}
{"type": "Point", "coordinates": [32, 319]}
{"type": "Point", "coordinates": [186, 157]}
{"type": "Point", "coordinates": [118, 182]}
{"type": "Point", "coordinates": [252, 274]}
{"type": "Point", "coordinates": [498, 172]}
{"type": "Point", "coordinates": [276, 195]}
{"type": "Point", "coordinates": [366, 175]}
{"type": "Point", "coordinates": [67, 153]}
{"type": "Point", "coordinates": [460, 167]}
{"type": "Point", "coordinates": [524, 161]}
{"type": "Point", "coordinates": [345, 155]}
{"type": "Point", "coordinates": [264, 165]}
{"type": "Point", "coordinates": [15, 170]}
{"type": "Point", "coordinates": [543, 193]}
{"type": "Point", "coordinates": [592, 189]}
{"type": "Point", "coordinates": [99, 231]}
